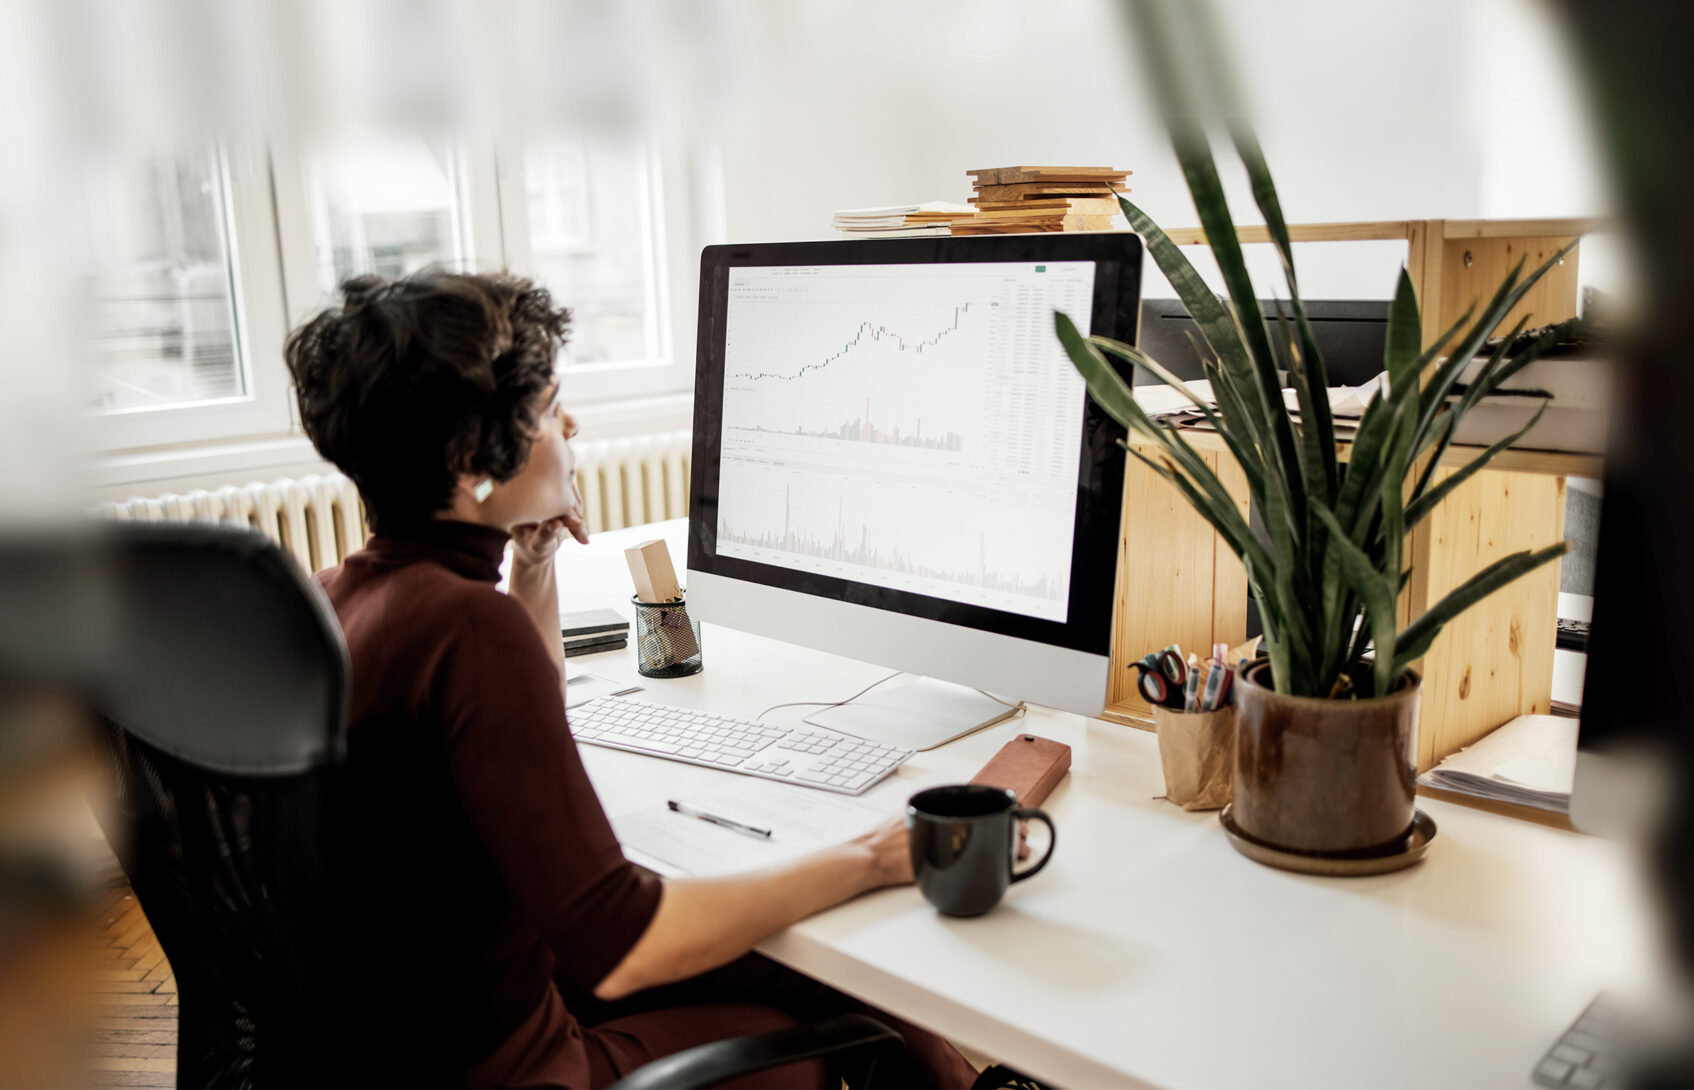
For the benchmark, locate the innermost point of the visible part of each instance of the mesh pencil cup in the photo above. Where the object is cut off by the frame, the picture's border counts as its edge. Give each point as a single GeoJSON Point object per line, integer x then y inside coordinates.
{"type": "Point", "coordinates": [667, 640]}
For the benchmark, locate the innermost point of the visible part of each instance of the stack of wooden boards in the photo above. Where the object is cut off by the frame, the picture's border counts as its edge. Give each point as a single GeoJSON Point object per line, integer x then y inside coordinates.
{"type": "Point", "coordinates": [1017, 200]}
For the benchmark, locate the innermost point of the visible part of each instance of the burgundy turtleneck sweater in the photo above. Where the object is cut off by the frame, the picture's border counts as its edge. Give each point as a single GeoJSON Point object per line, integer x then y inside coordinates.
{"type": "Point", "coordinates": [485, 861]}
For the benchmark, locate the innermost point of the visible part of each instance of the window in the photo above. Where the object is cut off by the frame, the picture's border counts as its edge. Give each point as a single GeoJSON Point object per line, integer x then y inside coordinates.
{"type": "Point", "coordinates": [184, 301]}
{"type": "Point", "coordinates": [594, 241]}
{"type": "Point", "coordinates": [198, 263]}
{"type": "Point", "coordinates": [387, 207]}
{"type": "Point", "coordinates": [613, 227]}
{"type": "Point", "coordinates": [161, 289]}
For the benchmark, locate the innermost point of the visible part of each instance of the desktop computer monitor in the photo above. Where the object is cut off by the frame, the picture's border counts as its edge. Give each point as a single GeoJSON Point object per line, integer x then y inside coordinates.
{"type": "Point", "coordinates": [895, 460]}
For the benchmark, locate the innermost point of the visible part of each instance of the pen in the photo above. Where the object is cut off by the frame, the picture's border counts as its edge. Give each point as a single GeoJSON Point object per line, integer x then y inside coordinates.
{"type": "Point", "coordinates": [718, 819]}
{"type": "Point", "coordinates": [1216, 673]}
{"type": "Point", "coordinates": [1191, 690]}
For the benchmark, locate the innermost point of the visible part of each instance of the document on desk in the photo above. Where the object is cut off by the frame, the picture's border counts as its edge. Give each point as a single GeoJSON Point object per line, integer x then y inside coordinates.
{"type": "Point", "coordinates": [801, 820]}
{"type": "Point", "coordinates": [1530, 761]}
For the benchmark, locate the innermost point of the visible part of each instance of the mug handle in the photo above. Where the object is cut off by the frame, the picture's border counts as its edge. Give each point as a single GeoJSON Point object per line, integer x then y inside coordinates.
{"type": "Point", "coordinates": [1029, 813]}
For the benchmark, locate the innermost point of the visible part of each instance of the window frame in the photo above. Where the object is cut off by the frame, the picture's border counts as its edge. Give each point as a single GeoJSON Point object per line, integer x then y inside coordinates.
{"type": "Point", "coordinates": [250, 237]}
{"type": "Point", "coordinates": [676, 231]}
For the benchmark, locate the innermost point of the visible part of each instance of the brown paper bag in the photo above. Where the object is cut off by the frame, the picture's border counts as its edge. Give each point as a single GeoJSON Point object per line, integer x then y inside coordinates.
{"type": "Point", "coordinates": [1197, 750]}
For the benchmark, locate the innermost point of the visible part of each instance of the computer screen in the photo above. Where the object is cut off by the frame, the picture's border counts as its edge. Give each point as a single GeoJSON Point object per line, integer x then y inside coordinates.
{"type": "Point", "coordinates": [895, 459]}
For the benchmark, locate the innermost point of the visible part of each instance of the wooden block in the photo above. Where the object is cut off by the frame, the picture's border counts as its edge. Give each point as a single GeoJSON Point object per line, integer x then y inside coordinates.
{"type": "Point", "coordinates": [650, 567]}
{"type": "Point", "coordinates": [135, 1051]}
{"type": "Point", "coordinates": [142, 1005]}
{"type": "Point", "coordinates": [985, 226]}
{"type": "Point", "coordinates": [131, 1063]}
{"type": "Point", "coordinates": [135, 1038]}
{"type": "Point", "coordinates": [1073, 206]}
{"type": "Point", "coordinates": [1042, 189]}
{"type": "Point", "coordinates": [1015, 175]}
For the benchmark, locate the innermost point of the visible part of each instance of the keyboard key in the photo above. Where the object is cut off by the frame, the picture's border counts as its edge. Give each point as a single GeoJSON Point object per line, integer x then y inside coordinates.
{"type": "Point", "coordinates": [1554, 1071]}
{"type": "Point", "coordinates": [650, 744]}
{"type": "Point", "coordinates": [1571, 1054]}
{"type": "Point", "coordinates": [1585, 1078]}
{"type": "Point", "coordinates": [1585, 1041]}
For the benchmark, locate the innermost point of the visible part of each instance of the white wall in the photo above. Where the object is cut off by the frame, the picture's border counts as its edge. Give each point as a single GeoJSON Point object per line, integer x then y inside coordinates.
{"type": "Point", "coordinates": [1367, 109]}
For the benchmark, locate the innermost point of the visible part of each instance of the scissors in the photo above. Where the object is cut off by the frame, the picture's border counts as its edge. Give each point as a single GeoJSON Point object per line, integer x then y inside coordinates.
{"type": "Point", "coordinates": [1162, 676]}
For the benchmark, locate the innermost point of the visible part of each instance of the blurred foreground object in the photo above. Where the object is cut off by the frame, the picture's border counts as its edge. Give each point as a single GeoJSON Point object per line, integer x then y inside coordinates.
{"type": "Point", "coordinates": [1635, 776]}
{"type": "Point", "coordinates": [215, 681]}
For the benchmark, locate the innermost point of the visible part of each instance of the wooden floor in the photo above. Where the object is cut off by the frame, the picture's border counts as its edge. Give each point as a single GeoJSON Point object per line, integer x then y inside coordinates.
{"type": "Point", "coordinates": [134, 1037]}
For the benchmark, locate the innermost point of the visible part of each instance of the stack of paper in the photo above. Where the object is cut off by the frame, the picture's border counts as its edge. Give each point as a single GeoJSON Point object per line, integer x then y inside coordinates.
{"type": "Point", "coordinates": [1016, 200]}
{"type": "Point", "coordinates": [901, 220]}
{"type": "Point", "coordinates": [1530, 761]}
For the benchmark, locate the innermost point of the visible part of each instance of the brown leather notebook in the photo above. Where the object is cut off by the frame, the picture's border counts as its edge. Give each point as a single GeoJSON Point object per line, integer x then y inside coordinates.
{"type": "Point", "coordinates": [1029, 765]}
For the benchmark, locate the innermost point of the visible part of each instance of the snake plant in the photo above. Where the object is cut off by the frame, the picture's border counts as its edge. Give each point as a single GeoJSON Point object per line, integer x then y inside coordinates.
{"type": "Point", "coordinates": [1328, 565]}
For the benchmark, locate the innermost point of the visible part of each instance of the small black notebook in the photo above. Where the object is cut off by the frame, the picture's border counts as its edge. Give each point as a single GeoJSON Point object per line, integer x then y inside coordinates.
{"type": "Point", "coordinates": [584, 622]}
{"type": "Point", "coordinates": [610, 643]}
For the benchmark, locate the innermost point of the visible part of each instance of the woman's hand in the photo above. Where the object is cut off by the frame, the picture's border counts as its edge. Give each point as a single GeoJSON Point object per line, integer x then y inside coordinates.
{"type": "Point", "coordinates": [535, 543]}
{"type": "Point", "coordinates": [891, 853]}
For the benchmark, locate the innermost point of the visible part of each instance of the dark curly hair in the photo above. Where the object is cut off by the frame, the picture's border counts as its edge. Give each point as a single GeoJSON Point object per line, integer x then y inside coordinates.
{"type": "Point", "coordinates": [410, 382]}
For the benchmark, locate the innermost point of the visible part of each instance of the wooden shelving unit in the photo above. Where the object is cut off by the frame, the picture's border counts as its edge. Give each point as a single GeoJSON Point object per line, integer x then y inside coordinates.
{"type": "Point", "coordinates": [1178, 582]}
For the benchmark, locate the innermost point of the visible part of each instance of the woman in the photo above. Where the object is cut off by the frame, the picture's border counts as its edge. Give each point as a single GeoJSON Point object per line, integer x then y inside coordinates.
{"type": "Point", "coordinates": [534, 953]}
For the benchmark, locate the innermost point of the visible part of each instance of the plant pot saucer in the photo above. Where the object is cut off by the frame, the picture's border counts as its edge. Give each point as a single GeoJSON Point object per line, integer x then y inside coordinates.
{"type": "Point", "coordinates": [1402, 853]}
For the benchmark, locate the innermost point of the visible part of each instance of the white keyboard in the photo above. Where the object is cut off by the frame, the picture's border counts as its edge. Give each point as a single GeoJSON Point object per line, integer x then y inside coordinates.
{"type": "Point", "coordinates": [808, 756]}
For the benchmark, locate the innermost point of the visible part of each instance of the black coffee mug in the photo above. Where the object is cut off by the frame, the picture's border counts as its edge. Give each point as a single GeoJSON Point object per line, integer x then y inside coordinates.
{"type": "Point", "coordinates": [964, 840]}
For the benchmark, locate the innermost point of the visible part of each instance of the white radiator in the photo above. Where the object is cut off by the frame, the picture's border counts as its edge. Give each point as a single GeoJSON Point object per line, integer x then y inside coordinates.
{"type": "Point", "coordinates": [625, 482]}
{"type": "Point", "coordinates": [318, 519]}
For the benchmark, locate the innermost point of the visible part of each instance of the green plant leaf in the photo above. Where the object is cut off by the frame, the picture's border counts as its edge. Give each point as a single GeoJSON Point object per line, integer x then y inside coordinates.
{"type": "Point", "coordinates": [1113, 394]}
{"type": "Point", "coordinates": [1378, 593]}
{"type": "Point", "coordinates": [1198, 168]}
{"type": "Point", "coordinates": [1316, 418]}
{"type": "Point", "coordinates": [1414, 641]}
{"type": "Point", "coordinates": [1405, 335]}
{"type": "Point", "coordinates": [1420, 508]}
{"type": "Point", "coordinates": [1213, 321]}
{"type": "Point", "coordinates": [1248, 462]}
{"type": "Point", "coordinates": [1446, 421]}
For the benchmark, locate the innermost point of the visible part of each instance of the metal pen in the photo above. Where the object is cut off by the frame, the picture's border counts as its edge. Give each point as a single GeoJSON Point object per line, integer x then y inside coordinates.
{"type": "Point", "coordinates": [718, 819]}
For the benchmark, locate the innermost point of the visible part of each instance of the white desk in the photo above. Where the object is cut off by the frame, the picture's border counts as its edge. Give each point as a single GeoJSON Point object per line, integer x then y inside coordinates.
{"type": "Point", "coordinates": [1149, 952]}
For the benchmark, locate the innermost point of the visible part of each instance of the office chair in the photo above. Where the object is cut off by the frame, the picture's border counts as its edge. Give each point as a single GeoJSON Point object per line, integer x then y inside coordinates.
{"type": "Point", "coordinates": [220, 680]}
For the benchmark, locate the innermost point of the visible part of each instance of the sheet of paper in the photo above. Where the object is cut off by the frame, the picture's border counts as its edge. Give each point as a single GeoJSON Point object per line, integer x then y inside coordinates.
{"type": "Point", "coordinates": [801, 820]}
{"type": "Point", "coordinates": [1531, 761]}
{"type": "Point", "coordinates": [581, 687]}
{"type": "Point", "coordinates": [1161, 400]}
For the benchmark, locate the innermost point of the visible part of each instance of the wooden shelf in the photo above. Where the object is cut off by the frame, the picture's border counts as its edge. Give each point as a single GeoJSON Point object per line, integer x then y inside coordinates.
{"type": "Point", "coordinates": [1404, 230]}
{"type": "Point", "coordinates": [1178, 582]}
{"type": "Point", "coordinates": [1553, 463]}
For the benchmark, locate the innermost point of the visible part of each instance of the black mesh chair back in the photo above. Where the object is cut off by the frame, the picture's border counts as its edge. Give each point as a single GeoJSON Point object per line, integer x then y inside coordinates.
{"type": "Point", "coordinates": [223, 695]}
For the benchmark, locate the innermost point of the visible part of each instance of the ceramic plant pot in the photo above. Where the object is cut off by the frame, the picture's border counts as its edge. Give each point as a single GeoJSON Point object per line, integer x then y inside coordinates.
{"type": "Point", "coordinates": [1324, 776]}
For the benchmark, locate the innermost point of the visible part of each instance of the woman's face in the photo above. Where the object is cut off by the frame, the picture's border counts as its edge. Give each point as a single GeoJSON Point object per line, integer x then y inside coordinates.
{"type": "Point", "coordinates": [545, 488]}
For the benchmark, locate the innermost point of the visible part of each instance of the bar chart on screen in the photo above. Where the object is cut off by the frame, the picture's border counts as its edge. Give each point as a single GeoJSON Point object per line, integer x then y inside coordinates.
{"type": "Point", "coordinates": [911, 427]}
